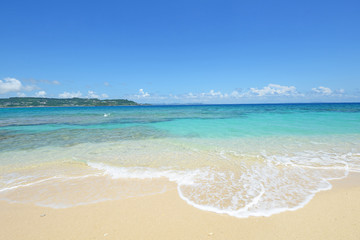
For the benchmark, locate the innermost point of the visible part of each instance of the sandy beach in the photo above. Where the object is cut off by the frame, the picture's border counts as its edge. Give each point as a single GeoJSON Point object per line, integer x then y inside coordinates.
{"type": "Point", "coordinates": [179, 120]}
{"type": "Point", "coordinates": [330, 215]}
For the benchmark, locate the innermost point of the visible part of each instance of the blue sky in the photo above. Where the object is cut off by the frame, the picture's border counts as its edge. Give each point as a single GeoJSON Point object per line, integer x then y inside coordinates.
{"type": "Point", "coordinates": [197, 51]}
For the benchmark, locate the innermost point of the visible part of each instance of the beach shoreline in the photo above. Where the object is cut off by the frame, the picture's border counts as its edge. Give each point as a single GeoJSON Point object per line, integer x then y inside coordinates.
{"type": "Point", "coordinates": [329, 215]}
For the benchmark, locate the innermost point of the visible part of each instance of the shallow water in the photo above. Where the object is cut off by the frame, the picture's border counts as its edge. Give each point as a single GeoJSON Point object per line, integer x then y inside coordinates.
{"type": "Point", "coordinates": [242, 160]}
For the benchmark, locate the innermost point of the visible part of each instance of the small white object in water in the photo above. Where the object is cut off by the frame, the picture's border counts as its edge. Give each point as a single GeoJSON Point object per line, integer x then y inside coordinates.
{"type": "Point", "coordinates": [106, 114]}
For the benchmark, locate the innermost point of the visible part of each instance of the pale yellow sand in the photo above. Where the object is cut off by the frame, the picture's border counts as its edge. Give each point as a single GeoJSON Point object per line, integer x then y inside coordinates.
{"type": "Point", "coordinates": [333, 214]}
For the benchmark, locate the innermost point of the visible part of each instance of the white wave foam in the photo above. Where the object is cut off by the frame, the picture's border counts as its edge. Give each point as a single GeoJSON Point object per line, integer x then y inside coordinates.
{"type": "Point", "coordinates": [261, 186]}
{"type": "Point", "coordinates": [273, 185]}
{"type": "Point", "coordinates": [180, 177]}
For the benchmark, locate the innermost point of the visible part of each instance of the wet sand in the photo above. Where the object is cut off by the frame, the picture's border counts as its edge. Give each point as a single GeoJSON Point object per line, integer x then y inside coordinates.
{"type": "Point", "coordinates": [330, 214]}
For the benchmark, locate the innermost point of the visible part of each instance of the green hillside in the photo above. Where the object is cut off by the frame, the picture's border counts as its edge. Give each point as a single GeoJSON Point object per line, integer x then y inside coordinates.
{"type": "Point", "coordinates": [62, 102]}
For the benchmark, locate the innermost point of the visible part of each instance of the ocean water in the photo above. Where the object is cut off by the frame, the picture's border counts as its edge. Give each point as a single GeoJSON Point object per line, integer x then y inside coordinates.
{"type": "Point", "coordinates": [240, 160]}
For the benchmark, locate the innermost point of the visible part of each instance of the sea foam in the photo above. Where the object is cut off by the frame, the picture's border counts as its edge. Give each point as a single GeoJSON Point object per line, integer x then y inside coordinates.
{"type": "Point", "coordinates": [271, 185]}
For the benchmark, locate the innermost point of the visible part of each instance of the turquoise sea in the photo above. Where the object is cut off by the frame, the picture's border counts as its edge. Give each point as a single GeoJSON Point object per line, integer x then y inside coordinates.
{"type": "Point", "coordinates": [241, 160]}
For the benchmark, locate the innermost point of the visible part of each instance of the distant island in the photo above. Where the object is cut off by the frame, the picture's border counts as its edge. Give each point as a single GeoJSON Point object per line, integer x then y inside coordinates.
{"type": "Point", "coordinates": [62, 102]}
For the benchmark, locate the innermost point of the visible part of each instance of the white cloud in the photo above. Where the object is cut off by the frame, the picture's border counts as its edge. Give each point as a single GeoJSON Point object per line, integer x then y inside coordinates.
{"type": "Point", "coordinates": [269, 93]}
{"type": "Point", "coordinates": [212, 93]}
{"type": "Point", "coordinates": [251, 95]}
{"type": "Point", "coordinates": [189, 95]}
{"type": "Point", "coordinates": [237, 94]}
{"type": "Point", "coordinates": [274, 89]}
{"type": "Point", "coordinates": [40, 94]}
{"type": "Point", "coordinates": [10, 85]}
{"type": "Point", "coordinates": [70, 95]}
{"type": "Point", "coordinates": [106, 84]}
{"type": "Point", "coordinates": [56, 82]}
{"type": "Point", "coordinates": [172, 96]}
{"type": "Point", "coordinates": [270, 90]}
{"type": "Point", "coordinates": [322, 90]}
{"type": "Point", "coordinates": [142, 94]}
{"type": "Point", "coordinates": [78, 94]}
{"type": "Point", "coordinates": [13, 85]}
{"type": "Point", "coordinates": [21, 94]}
{"type": "Point", "coordinates": [92, 94]}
